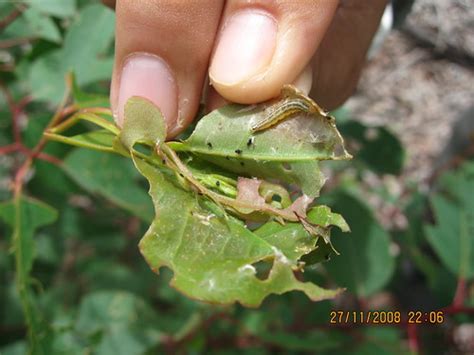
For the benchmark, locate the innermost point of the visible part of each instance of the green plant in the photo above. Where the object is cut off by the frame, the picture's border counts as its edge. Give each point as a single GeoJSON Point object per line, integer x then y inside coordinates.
{"type": "Point", "coordinates": [69, 263]}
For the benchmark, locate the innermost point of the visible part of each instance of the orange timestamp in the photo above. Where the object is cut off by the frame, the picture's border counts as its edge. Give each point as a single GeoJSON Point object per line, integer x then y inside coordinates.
{"type": "Point", "coordinates": [386, 317]}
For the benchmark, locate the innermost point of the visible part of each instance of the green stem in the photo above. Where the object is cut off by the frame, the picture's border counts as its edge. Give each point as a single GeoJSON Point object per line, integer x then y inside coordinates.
{"type": "Point", "coordinates": [90, 117]}
{"type": "Point", "coordinates": [22, 284]}
{"type": "Point", "coordinates": [71, 141]}
{"type": "Point", "coordinates": [220, 200]}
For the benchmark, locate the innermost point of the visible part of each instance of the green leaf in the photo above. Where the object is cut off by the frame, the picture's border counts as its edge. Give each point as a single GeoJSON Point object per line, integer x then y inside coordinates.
{"type": "Point", "coordinates": [381, 341]}
{"type": "Point", "coordinates": [96, 23]}
{"type": "Point", "coordinates": [126, 324]}
{"type": "Point", "coordinates": [85, 44]}
{"type": "Point", "coordinates": [377, 148]}
{"type": "Point", "coordinates": [452, 237]}
{"type": "Point", "coordinates": [32, 23]}
{"type": "Point", "coordinates": [17, 348]}
{"type": "Point", "coordinates": [47, 77]}
{"type": "Point", "coordinates": [110, 176]}
{"type": "Point", "coordinates": [228, 130]}
{"type": "Point", "coordinates": [365, 264]}
{"type": "Point", "coordinates": [212, 257]}
{"type": "Point", "coordinates": [58, 8]}
{"type": "Point", "coordinates": [143, 123]}
{"type": "Point", "coordinates": [313, 342]}
{"type": "Point", "coordinates": [25, 215]}
{"type": "Point", "coordinates": [84, 99]}
{"type": "Point", "coordinates": [412, 241]}
{"type": "Point", "coordinates": [289, 151]}
{"type": "Point", "coordinates": [293, 240]}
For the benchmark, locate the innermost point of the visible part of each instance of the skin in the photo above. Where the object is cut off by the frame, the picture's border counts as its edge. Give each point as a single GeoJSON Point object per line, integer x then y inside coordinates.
{"type": "Point", "coordinates": [319, 45]}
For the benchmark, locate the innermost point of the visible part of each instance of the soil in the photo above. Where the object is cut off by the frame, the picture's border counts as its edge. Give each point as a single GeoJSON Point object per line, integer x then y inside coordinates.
{"type": "Point", "coordinates": [420, 83]}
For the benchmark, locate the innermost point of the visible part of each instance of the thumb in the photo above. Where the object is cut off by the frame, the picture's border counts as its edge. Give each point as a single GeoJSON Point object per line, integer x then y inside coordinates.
{"type": "Point", "coordinates": [263, 45]}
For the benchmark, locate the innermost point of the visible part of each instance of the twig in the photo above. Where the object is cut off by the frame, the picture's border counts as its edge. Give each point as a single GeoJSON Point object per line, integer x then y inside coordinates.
{"type": "Point", "coordinates": [460, 294]}
{"type": "Point", "coordinates": [8, 43]}
{"type": "Point", "coordinates": [12, 16]}
{"type": "Point", "coordinates": [7, 149]}
{"type": "Point", "coordinates": [458, 310]}
{"type": "Point", "coordinates": [14, 110]}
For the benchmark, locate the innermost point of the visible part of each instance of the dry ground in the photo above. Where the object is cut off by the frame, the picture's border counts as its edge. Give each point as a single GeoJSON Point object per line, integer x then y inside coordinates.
{"type": "Point", "coordinates": [421, 81]}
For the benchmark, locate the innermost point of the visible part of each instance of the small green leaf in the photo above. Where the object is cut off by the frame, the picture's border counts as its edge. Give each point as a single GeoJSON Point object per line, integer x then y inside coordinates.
{"type": "Point", "coordinates": [30, 215]}
{"type": "Point", "coordinates": [293, 240]}
{"type": "Point", "coordinates": [143, 123]}
{"type": "Point", "coordinates": [365, 264]}
{"type": "Point", "coordinates": [452, 237]}
{"type": "Point", "coordinates": [32, 23]}
{"type": "Point", "coordinates": [126, 323]}
{"type": "Point", "coordinates": [58, 8]}
{"type": "Point", "coordinates": [25, 215]}
{"type": "Point", "coordinates": [378, 148]}
{"type": "Point", "coordinates": [110, 176]}
{"type": "Point", "coordinates": [84, 100]}
{"type": "Point", "coordinates": [83, 53]}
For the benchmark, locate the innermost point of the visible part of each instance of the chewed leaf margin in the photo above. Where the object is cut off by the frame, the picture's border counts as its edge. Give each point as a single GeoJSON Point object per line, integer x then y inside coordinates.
{"type": "Point", "coordinates": [198, 230]}
{"type": "Point", "coordinates": [212, 257]}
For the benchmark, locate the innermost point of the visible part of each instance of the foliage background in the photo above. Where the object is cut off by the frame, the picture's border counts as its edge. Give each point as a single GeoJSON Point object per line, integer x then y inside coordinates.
{"type": "Point", "coordinates": [76, 226]}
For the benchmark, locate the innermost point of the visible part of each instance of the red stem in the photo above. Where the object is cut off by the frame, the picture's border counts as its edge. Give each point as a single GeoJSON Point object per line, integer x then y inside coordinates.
{"type": "Point", "coordinates": [413, 341]}
{"type": "Point", "coordinates": [10, 18]}
{"type": "Point", "coordinates": [460, 295]}
{"type": "Point", "coordinates": [47, 157]}
{"type": "Point", "coordinates": [10, 148]}
{"type": "Point", "coordinates": [457, 310]}
{"type": "Point", "coordinates": [15, 112]}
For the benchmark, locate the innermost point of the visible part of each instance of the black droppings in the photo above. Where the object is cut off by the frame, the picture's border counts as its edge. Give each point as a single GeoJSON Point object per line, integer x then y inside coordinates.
{"type": "Point", "coordinates": [163, 161]}
{"type": "Point", "coordinates": [238, 151]}
{"type": "Point", "coordinates": [250, 142]}
{"type": "Point", "coordinates": [181, 175]}
{"type": "Point", "coordinates": [218, 183]}
{"type": "Point", "coordinates": [227, 157]}
{"type": "Point", "coordinates": [242, 163]}
{"type": "Point", "coordinates": [209, 144]}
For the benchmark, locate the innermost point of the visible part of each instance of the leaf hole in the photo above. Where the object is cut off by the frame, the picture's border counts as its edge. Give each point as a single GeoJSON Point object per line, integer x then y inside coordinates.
{"type": "Point", "coordinates": [263, 268]}
{"type": "Point", "coordinates": [276, 198]}
{"type": "Point", "coordinates": [371, 134]}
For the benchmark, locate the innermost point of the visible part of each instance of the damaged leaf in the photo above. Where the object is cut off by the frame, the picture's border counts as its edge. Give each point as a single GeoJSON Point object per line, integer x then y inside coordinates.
{"type": "Point", "coordinates": [212, 257]}
{"type": "Point", "coordinates": [227, 173]}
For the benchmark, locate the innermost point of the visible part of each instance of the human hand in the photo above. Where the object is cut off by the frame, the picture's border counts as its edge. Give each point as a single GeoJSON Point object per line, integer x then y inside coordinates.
{"type": "Point", "coordinates": [250, 49]}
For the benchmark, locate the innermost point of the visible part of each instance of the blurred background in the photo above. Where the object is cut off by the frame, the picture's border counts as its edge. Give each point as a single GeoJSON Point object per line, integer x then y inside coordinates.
{"type": "Point", "coordinates": [408, 196]}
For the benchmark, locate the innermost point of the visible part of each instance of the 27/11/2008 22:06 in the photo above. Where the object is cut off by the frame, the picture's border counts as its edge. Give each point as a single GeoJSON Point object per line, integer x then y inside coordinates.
{"type": "Point", "coordinates": [386, 317]}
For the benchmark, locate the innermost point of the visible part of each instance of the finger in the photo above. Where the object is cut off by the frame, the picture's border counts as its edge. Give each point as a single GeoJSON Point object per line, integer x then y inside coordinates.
{"type": "Point", "coordinates": [341, 56]}
{"type": "Point", "coordinates": [265, 44]}
{"type": "Point", "coordinates": [162, 53]}
{"type": "Point", "coordinates": [214, 100]}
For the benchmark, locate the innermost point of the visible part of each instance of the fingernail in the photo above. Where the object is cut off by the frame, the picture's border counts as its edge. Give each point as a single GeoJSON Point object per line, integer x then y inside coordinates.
{"type": "Point", "coordinates": [148, 76]}
{"type": "Point", "coordinates": [245, 47]}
